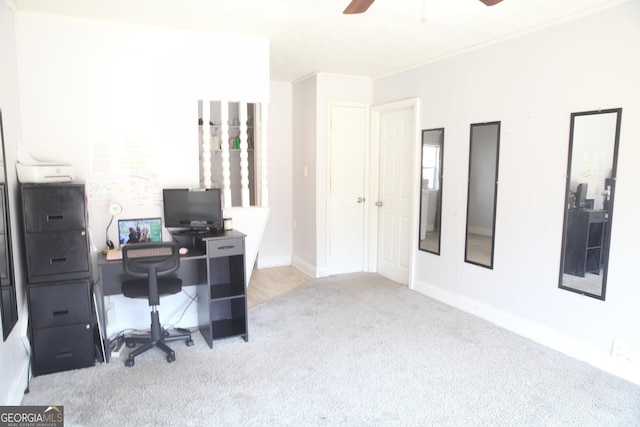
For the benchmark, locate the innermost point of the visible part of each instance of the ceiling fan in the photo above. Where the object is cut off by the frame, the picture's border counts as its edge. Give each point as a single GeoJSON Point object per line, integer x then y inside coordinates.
{"type": "Point", "coordinates": [360, 6]}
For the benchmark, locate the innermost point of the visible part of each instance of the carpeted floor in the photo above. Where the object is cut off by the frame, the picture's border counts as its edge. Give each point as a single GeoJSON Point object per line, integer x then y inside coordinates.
{"type": "Point", "coordinates": [355, 350]}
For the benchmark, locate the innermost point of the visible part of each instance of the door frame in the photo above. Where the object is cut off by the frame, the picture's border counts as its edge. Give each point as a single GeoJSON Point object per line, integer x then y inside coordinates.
{"type": "Point", "coordinates": [371, 263]}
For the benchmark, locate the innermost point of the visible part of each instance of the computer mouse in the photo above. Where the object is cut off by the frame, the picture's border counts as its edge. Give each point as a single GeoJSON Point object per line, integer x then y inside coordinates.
{"type": "Point", "coordinates": [183, 251]}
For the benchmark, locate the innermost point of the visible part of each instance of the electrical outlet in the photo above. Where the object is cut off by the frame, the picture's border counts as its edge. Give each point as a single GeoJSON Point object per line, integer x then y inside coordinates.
{"type": "Point", "coordinates": [620, 350]}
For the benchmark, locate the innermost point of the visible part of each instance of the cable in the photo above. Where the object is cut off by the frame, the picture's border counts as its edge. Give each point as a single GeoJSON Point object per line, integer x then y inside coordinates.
{"type": "Point", "coordinates": [108, 242]}
{"type": "Point", "coordinates": [173, 325]}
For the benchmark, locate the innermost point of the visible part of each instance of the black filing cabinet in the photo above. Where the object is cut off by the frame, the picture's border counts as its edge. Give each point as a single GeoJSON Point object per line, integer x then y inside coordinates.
{"type": "Point", "coordinates": [58, 277]}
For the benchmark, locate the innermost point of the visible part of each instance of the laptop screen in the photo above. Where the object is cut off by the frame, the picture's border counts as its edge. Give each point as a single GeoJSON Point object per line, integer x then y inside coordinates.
{"type": "Point", "coordinates": [139, 230]}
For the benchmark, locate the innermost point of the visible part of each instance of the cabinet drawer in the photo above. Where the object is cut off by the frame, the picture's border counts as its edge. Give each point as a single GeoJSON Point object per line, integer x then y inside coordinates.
{"type": "Point", "coordinates": [62, 348]}
{"type": "Point", "coordinates": [53, 208]}
{"type": "Point", "coordinates": [56, 253]}
{"type": "Point", "coordinates": [59, 304]}
{"type": "Point", "coordinates": [226, 247]}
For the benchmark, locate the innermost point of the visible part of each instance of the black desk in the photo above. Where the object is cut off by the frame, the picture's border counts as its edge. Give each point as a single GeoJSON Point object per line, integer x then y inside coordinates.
{"type": "Point", "coordinates": [216, 264]}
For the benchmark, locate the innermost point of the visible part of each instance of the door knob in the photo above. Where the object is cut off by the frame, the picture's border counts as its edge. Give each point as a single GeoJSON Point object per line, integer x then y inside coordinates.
{"type": "Point", "coordinates": [378, 203]}
{"type": "Point", "coordinates": [360, 200]}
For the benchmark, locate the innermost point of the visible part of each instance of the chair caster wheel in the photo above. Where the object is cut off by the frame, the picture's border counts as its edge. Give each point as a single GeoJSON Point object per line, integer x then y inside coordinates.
{"type": "Point", "coordinates": [189, 343]}
{"type": "Point", "coordinates": [130, 344]}
{"type": "Point", "coordinates": [129, 362]}
{"type": "Point", "coordinates": [171, 358]}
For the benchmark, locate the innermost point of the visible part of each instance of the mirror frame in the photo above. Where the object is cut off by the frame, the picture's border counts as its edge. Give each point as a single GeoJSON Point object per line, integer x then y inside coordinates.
{"type": "Point", "coordinates": [495, 198]}
{"type": "Point", "coordinates": [606, 242]}
{"type": "Point", "coordinates": [8, 302]}
{"type": "Point", "coordinates": [440, 189]}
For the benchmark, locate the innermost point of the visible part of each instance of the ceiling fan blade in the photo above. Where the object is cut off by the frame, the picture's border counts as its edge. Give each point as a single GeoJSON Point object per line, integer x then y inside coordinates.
{"type": "Point", "coordinates": [490, 2]}
{"type": "Point", "coordinates": [358, 6]}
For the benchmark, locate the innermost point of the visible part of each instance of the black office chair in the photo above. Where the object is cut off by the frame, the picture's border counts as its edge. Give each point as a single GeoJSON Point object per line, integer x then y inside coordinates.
{"type": "Point", "coordinates": [150, 265]}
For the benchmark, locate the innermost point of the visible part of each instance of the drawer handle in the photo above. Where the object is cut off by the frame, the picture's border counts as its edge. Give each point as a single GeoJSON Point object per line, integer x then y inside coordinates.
{"type": "Point", "coordinates": [55, 217]}
{"type": "Point", "coordinates": [54, 260]}
{"type": "Point", "coordinates": [226, 247]}
{"type": "Point", "coordinates": [60, 313]}
{"type": "Point", "coordinates": [64, 355]}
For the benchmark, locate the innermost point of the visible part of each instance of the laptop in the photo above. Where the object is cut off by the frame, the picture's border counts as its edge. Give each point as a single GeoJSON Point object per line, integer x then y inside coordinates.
{"type": "Point", "coordinates": [139, 230]}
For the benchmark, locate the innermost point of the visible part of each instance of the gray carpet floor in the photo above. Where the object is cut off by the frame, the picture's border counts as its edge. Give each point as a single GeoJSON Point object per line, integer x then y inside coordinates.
{"type": "Point", "coordinates": [356, 350]}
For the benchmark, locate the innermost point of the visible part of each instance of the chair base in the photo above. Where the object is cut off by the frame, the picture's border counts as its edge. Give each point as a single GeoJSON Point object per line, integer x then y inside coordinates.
{"type": "Point", "coordinates": [149, 343]}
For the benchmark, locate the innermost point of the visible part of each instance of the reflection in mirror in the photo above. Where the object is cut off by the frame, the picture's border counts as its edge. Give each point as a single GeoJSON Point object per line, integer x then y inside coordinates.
{"type": "Point", "coordinates": [431, 190]}
{"type": "Point", "coordinates": [7, 286]}
{"type": "Point", "coordinates": [482, 193]}
{"type": "Point", "coordinates": [588, 213]}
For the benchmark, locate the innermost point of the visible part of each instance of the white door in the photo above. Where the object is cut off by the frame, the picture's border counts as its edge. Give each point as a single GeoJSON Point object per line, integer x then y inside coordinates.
{"type": "Point", "coordinates": [396, 189]}
{"type": "Point", "coordinates": [348, 125]}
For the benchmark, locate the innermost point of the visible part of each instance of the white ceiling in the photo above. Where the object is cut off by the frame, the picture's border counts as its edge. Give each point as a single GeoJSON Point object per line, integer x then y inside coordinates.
{"type": "Point", "coordinates": [310, 36]}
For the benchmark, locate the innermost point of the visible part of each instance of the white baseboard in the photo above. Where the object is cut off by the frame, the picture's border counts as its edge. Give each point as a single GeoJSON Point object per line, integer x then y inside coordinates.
{"type": "Point", "coordinates": [304, 266]}
{"type": "Point", "coordinates": [19, 384]}
{"type": "Point", "coordinates": [544, 335]}
{"type": "Point", "coordinates": [273, 261]}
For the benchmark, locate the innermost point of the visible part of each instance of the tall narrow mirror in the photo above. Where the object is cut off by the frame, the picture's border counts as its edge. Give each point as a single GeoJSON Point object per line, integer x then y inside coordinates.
{"type": "Point", "coordinates": [431, 190]}
{"type": "Point", "coordinates": [588, 209]}
{"type": "Point", "coordinates": [482, 194]}
{"type": "Point", "coordinates": [7, 285]}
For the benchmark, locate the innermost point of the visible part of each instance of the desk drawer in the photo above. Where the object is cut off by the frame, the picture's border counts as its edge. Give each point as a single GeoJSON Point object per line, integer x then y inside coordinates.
{"type": "Point", "coordinates": [227, 247]}
{"type": "Point", "coordinates": [596, 216]}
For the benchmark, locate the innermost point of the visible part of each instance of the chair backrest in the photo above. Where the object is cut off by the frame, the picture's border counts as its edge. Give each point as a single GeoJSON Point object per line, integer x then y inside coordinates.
{"type": "Point", "coordinates": [150, 260]}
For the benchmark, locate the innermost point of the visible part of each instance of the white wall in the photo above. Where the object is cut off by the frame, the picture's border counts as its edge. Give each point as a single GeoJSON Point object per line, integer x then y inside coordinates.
{"type": "Point", "coordinates": [277, 242]}
{"type": "Point", "coordinates": [119, 102]}
{"type": "Point", "coordinates": [15, 360]}
{"type": "Point", "coordinates": [304, 185]}
{"type": "Point", "coordinates": [532, 84]}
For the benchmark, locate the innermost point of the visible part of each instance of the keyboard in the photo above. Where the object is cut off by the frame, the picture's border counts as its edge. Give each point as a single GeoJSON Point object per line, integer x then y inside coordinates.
{"type": "Point", "coordinates": [138, 253]}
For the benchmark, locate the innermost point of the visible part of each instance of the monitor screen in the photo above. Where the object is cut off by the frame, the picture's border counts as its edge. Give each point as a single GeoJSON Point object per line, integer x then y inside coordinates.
{"type": "Point", "coordinates": [139, 230]}
{"type": "Point", "coordinates": [581, 195]}
{"type": "Point", "coordinates": [197, 209]}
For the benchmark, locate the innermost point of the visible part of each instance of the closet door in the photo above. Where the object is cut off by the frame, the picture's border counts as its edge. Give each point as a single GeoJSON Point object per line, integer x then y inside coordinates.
{"type": "Point", "coordinates": [346, 198]}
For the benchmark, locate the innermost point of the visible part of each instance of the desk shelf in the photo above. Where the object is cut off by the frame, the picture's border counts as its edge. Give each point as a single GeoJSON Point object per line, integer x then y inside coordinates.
{"type": "Point", "coordinates": [583, 249]}
{"type": "Point", "coordinates": [222, 298]}
{"type": "Point", "coordinates": [227, 290]}
{"type": "Point", "coordinates": [228, 328]}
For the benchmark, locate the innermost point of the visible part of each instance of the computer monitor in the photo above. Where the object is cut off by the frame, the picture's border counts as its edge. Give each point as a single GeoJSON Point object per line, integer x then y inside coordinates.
{"type": "Point", "coordinates": [139, 230]}
{"type": "Point", "coordinates": [198, 210]}
{"type": "Point", "coordinates": [581, 195]}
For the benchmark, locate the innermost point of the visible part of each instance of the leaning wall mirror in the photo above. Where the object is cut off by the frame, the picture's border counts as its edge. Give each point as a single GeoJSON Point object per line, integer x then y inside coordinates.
{"type": "Point", "coordinates": [588, 208]}
{"type": "Point", "coordinates": [482, 194]}
{"type": "Point", "coordinates": [431, 190]}
{"type": "Point", "coordinates": [7, 284]}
